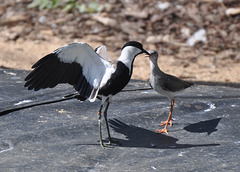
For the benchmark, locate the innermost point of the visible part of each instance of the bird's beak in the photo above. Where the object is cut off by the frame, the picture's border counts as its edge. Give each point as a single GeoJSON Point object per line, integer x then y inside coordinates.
{"type": "Point", "coordinates": [146, 52]}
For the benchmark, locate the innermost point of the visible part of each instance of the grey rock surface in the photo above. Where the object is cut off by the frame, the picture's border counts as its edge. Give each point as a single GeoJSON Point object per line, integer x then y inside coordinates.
{"type": "Point", "coordinates": [42, 131]}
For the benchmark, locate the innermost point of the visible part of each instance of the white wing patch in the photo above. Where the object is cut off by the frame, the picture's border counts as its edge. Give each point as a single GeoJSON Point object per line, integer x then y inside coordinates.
{"type": "Point", "coordinates": [102, 51]}
{"type": "Point", "coordinates": [95, 69]}
{"type": "Point", "coordinates": [107, 75]}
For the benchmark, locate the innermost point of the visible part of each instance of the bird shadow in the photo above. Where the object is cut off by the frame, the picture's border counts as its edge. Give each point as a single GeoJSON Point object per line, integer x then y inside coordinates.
{"type": "Point", "coordinates": [208, 126]}
{"type": "Point", "coordinates": [140, 137]}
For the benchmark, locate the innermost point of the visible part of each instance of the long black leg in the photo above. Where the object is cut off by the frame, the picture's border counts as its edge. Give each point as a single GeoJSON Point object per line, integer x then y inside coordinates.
{"type": "Point", "coordinates": [105, 117]}
{"type": "Point", "coordinates": [100, 126]}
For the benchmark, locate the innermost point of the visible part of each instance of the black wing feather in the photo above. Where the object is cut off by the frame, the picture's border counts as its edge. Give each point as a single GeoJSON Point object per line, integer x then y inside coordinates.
{"type": "Point", "coordinates": [42, 78]}
{"type": "Point", "coordinates": [50, 71]}
{"type": "Point", "coordinates": [83, 87]}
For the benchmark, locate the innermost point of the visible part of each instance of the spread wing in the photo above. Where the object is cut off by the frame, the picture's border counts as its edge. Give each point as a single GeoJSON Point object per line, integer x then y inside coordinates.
{"type": "Point", "coordinates": [76, 64]}
{"type": "Point", "coordinates": [102, 52]}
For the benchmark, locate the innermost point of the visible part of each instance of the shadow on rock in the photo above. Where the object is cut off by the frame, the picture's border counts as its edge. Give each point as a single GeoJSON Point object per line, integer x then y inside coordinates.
{"type": "Point", "coordinates": [208, 126]}
{"type": "Point", "coordinates": [140, 137]}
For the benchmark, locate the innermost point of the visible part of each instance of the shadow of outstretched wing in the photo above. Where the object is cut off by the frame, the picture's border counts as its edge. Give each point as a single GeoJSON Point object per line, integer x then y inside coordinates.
{"type": "Point", "coordinates": [140, 137]}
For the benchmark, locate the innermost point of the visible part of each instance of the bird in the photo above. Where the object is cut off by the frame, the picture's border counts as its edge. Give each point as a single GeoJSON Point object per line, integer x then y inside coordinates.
{"type": "Point", "coordinates": [89, 71]}
{"type": "Point", "coordinates": [165, 84]}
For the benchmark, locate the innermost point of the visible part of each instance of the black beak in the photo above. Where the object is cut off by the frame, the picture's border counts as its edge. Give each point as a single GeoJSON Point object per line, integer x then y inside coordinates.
{"type": "Point", "coordinates": [146, 52]}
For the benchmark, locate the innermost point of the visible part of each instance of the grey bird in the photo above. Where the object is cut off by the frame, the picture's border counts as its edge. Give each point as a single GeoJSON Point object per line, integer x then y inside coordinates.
{"type": "Point", "coordinates": [166, 85]}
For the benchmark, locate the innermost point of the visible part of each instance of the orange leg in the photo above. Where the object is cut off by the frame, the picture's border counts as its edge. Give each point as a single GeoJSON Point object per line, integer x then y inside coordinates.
{"type": "Point", "coordinates": [168, 121]}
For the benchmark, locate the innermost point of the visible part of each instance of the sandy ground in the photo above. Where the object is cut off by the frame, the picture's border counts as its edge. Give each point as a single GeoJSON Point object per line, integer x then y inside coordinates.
{"type": "Point", "coordinates": [27, 34]}
{"type": "Point", "coordinates": [22, 54]}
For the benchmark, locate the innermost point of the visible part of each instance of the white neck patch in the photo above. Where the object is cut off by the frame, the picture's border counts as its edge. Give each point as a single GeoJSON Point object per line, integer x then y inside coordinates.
{"type": "Point", "coordinates": [127, 56]}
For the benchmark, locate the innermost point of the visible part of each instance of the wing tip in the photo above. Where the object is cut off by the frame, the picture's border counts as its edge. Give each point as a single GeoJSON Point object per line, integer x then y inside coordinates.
{"type": "Point", "coordinates": [93, 95]}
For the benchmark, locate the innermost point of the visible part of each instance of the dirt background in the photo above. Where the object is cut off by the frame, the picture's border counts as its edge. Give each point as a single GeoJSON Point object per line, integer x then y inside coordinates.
{"type": "Point", "coordinates": [27, 34]}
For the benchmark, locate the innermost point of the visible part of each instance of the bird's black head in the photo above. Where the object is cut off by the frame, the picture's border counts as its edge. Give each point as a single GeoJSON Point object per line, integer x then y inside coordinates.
{"type": "Point", "coordinates": [137, 45]}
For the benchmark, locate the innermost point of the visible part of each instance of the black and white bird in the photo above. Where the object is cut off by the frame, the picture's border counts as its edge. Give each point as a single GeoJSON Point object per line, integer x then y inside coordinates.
{"type": "Point", "coordinates": [90, 72]}
{"type": "Point", "coordinates": [165, 84]}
